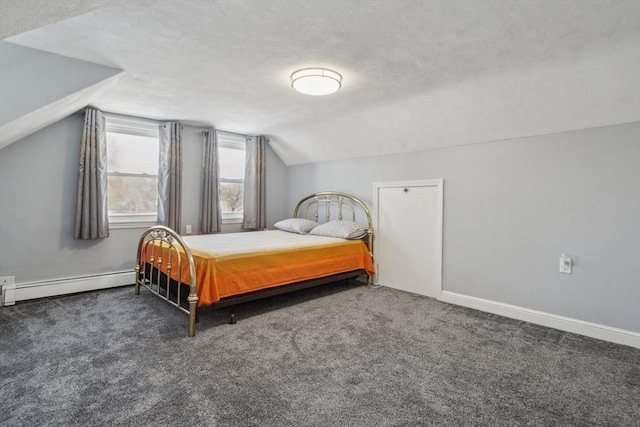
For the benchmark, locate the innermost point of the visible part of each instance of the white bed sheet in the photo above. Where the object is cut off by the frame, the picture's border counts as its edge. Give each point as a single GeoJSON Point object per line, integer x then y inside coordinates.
{"type": "Point", "coordinates": [219, 245]}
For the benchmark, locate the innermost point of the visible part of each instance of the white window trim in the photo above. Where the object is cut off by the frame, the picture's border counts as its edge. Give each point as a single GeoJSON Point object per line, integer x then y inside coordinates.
{"type": "Point", "coordinates": [233, 218]}
{"type": "Point", "coordinates": [132, 125]}
{"type": "Point", "coordinates": [131, 224]}
{"type": "Point", "coordinates": [128, 125]}
{"type": "Point", "coordinates": [234, 141]}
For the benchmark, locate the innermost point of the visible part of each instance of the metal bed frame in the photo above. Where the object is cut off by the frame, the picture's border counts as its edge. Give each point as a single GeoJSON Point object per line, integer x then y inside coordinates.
{"type": "Point", "coordinates": [322, 206]}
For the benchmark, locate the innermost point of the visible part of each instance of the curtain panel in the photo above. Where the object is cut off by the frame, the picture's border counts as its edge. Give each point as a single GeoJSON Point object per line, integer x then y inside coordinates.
{"type": "Point", "coordinates": [92, 213]}
{"type": "Point", "coordinates": [211, 215]}
{"type": "Point", "coordinates": [255, 205]}
{"type": "Point", "coordinates": [170, 176]}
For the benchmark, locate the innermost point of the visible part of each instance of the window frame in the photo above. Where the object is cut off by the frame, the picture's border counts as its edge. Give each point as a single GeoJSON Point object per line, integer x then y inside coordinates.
{"type": "Point", "coordinates": [234, 141]}
{"type": "Point", "coordinates": [135, 126]}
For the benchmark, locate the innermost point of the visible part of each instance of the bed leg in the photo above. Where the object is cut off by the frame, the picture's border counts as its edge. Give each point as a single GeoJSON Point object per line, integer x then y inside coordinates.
{"type": "Point", "coordinates": [232, 320]}
{"type": "Point", "coordinates": [137, 279]}
{"type": "Point", "coordinates": [192, 299]}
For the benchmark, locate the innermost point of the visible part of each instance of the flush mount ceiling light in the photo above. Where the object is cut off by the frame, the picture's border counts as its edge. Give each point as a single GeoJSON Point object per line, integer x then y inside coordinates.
{"type": "Point", "coordinates": [316, 81]}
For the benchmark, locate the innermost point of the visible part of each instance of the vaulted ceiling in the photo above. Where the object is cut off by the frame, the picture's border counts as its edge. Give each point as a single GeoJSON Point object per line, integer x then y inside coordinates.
{"type": "Point", "coordinates": [416, 74]}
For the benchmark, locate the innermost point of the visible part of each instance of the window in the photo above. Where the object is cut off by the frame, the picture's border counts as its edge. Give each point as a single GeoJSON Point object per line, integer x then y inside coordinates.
{"type": "Point", "coordinates": [132, 171]}
{"type": "Point", "coordinates": [231, 155]}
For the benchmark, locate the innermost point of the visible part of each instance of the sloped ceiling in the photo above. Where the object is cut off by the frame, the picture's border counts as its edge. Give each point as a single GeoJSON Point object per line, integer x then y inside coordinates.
{"type": "Point", "coordinates": [39, 88]}
{"type": "Point", "coordinates": [416, 74]}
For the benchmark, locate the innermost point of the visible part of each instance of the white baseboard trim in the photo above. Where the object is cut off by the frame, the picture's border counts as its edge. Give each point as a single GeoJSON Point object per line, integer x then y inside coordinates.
{"type": "Point", "coordinates": [70, 285]}
{"type": "Point", "coordinates": [567, 324]}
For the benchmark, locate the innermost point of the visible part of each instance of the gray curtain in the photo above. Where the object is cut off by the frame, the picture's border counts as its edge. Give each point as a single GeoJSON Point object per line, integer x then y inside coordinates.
{"type": "Point", "coordinates": [170, 176]}
{"type": "Point", "coordinates": [255, 205]}
{"type": "Point", "coordinates": [92, 214]}
{"type": "Point", "coordinates": [211, 214]}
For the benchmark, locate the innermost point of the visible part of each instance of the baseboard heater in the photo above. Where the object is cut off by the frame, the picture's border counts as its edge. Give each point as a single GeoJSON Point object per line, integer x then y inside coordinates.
{"type": "Point", "coordinates": [10, 294]}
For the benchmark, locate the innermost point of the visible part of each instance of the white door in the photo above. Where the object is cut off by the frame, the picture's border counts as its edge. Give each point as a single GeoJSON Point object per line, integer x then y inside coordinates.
{"type": "Point", "coordinates": [409, 236]}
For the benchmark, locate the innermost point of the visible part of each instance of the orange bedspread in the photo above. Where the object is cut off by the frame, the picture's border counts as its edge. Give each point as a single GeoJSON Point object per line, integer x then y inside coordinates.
{"type": "Point", "coordinates": [220, 275]}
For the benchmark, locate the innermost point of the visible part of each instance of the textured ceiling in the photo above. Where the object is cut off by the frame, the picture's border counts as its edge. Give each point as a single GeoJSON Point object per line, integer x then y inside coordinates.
{"type": "Point", "coordinates": [416, 74]}
{"type": "Point", "coordinates": [18, 16]}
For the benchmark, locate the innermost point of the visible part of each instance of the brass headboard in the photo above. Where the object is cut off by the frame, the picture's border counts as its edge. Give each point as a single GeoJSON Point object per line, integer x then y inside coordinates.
{"type": "Point", "coordinates": [333, 205]}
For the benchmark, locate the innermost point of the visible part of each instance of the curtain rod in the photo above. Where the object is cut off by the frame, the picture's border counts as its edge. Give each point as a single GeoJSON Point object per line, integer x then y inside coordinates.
{"type": "Point", "coordinates": [128, 116]}
{"type": "Point", "coordinates": [203, 131]}
{"type": "Point", "coordinates": [109, 113]}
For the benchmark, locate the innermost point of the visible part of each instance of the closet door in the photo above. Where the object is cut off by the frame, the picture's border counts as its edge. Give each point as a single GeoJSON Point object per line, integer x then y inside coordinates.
{"type": "Point", "coordinates": [409, 236]}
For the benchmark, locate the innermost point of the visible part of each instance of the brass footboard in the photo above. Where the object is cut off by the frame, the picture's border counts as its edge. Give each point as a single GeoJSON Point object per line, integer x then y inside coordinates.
{"type": "Point", "coordinates": [161, 250]}
{"type": "Point", "coordinates": [160, 247]}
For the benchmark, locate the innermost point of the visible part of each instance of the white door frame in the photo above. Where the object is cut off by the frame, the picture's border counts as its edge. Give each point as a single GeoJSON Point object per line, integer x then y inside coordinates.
{"type": "Point", "coordinates": [439, 184]}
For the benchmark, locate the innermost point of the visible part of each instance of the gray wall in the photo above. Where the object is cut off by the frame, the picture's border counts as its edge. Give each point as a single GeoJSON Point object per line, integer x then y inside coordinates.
{"type": "Point", "coordinates": [37, 206]}
{"type": "Point", "coordinates": [513, 207]}
{"type": "Point", "coordinates": [277, 183]}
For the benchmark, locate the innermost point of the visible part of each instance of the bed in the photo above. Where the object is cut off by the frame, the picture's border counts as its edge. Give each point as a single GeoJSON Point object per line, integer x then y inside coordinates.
{"type": "Point", "coordinates": [328, 239]}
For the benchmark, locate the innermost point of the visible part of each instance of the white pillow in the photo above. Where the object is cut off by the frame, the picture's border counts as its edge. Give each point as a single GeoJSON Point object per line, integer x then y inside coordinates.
{"type": "Point", "coordinates": [341, 229]}
{"type": "Point", "coordinates": [296, 225]}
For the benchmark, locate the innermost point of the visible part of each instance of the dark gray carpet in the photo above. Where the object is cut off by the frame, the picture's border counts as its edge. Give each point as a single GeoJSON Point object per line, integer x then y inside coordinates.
{"type": "Point", "coordinates": [340, 355]}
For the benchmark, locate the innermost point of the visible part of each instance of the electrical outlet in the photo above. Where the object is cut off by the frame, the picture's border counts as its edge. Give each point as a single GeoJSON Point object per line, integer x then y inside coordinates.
{"type": "Point", "coordinates": [187, 229]}
{"type": "Point", "coordinates": [7, 280]}
{"type": "Point", "coordinates": [566, 263]}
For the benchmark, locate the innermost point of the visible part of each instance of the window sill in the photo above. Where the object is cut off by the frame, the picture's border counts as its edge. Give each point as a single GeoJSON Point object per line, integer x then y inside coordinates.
{"type": "Point", "coordinates": [226, 221]}
{"type": "Point", "coordinates": [130, 224]}
{"type": "Point", "coordinates": [116, 225]}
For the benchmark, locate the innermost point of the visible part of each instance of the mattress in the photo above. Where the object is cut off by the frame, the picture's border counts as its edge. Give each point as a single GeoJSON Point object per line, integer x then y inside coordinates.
{"type": "Point", "coordinates": [237, 263]}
